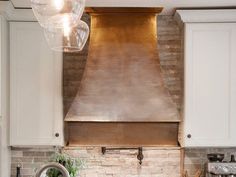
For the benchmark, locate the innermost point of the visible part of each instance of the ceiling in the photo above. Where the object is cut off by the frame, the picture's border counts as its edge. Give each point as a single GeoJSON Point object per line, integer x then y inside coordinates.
{"type": "Point", "coordinates": [169, 5]}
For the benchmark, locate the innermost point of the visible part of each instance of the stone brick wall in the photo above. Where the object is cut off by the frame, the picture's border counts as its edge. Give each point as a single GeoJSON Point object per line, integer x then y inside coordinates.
{"type": "Point", "coordinates": [29, 160]}
{"type": "Point", "coordinates": [73, 68]}
{"type": "Point", "coordinates": [196, 158]}
{"type": "Point", "coordinates": [169, 47]}
{"type": "Point", "coordinates": [157, 162]}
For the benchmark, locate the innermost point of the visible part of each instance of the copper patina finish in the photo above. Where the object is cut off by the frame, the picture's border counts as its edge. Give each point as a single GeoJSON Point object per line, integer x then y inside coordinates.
{"type": "Point", "coordinates": [122, 82]}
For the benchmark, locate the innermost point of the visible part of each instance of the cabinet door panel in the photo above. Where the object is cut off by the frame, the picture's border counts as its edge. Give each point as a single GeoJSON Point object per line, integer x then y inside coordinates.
{"type": "Point", "coordinates": [209, 77]}
{"type": "Point", "coordinates": [36, 111]}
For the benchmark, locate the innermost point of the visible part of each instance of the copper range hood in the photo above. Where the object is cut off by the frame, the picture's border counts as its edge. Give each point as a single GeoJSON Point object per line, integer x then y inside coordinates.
{"type": "Point", "coordinates": [122, 99]}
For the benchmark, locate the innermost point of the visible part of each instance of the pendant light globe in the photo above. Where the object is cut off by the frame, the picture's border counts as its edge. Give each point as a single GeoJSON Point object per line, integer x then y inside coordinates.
{"type": "Point", "coordinates": [51, 13]}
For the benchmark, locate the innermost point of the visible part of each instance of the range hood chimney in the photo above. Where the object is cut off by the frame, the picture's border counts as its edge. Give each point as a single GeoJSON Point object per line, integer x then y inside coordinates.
{"type": "Point", "coordinates": [122, 95]}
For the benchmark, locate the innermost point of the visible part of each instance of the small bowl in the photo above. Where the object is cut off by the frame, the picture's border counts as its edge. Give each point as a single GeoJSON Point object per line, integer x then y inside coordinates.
{"type": "Point", "coordinates": [217, 157]}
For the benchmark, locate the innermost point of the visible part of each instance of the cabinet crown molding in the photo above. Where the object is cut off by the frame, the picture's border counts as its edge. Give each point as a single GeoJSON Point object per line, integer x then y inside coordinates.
{"type": "Point", "coordinates": [206, 16]}
{"type": "Point", "coordinates": [11, 14]}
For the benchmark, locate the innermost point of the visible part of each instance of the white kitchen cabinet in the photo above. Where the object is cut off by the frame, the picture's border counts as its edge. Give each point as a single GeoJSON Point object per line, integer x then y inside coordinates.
{"type": "Point", "coordinates": [36, 110]}
{"type": "Point", "coordinates": [4, 99]}
{"type": "Point", "coordinates": [210, 84]}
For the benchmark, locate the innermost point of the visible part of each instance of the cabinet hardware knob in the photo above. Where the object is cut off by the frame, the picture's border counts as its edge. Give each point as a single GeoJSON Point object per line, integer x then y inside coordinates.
{"type": "Point", "coordinates": [56, 134]}
{"type": "Point", "coordinates": [189, 136]}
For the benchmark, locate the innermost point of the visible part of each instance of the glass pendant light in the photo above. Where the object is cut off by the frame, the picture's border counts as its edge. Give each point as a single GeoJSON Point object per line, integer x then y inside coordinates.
{"type": "Point", "coordinates": [67, 39]}
{"type": "Point", "coordinates": [51, 13]}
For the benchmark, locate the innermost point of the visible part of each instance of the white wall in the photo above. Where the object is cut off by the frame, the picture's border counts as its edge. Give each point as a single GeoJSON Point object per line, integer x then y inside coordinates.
{"type": "Point", "coordinates": [4, 97]}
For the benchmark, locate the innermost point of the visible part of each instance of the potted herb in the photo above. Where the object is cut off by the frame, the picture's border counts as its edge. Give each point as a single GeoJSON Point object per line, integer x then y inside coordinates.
{"type": "Point", "coordinates": [73, 165]}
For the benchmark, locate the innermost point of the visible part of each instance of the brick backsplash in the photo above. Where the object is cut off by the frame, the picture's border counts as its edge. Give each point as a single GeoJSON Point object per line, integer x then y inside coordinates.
{"type": "Point", "coordinates": [158, 162]}
{"type": "Point", "coordinates": [73, 69]}
{"type": "Point", "coordinates": [196, 158]}
{"type": "Point", "coordinates": [29, 159]}
{"type": "Point", "coordinates": [169, 47]}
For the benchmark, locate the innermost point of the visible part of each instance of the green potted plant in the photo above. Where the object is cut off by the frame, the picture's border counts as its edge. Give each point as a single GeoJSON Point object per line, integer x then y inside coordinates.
{"type": "Point", "coordinates": [73, 165]}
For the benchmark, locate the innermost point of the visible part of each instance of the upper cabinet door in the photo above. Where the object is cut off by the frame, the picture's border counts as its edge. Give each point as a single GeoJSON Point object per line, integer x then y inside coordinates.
{"type": "Point", "coordinates": [36, 112]}
{"type": "Point", "coordinates": [210, 84]}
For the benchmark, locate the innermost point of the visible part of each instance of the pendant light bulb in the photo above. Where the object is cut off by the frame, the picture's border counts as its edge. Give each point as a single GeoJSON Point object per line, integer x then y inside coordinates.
{"type": "Point", "coordinates": [59, 4]}
{"type": "Point", "coordinates": [67, 38]}
{"type": "Point", "coordinates": [66, 26]}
